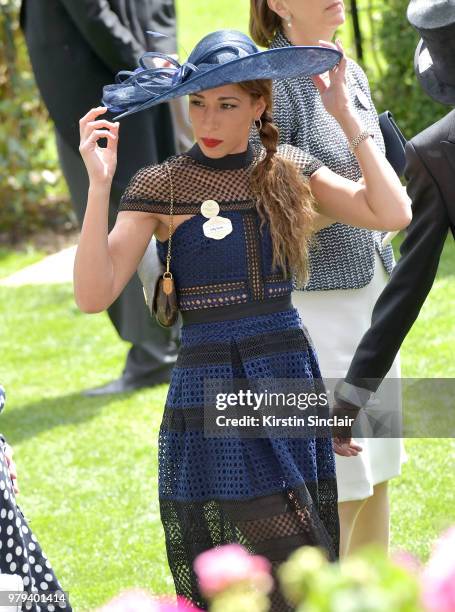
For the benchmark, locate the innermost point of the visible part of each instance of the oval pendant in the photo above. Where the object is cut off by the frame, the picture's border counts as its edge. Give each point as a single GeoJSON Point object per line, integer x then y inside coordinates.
{"type": "Point", "coordinates": [210, 208]}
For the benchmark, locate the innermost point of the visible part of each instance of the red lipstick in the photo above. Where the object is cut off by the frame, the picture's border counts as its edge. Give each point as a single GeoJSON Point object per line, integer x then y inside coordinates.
{"type": "Point", "coordinates": [335, 5]}
{"type": "Point", "coordinates": [211, 142]}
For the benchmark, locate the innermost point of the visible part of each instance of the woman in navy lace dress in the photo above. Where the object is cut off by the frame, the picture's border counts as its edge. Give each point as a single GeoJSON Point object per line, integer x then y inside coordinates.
{"type": "Point", "coordinates": [273, 494]}
{"type": "Point", "coordinates": [20, 552]}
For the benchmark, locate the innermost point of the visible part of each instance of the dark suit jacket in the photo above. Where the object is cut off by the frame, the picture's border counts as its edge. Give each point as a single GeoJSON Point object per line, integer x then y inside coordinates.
{"type": "Point", "coordinates": [76, 47]}
{"type": "Point", "coordinates": [430, 172]}
{"type": "Point", "coordinates": [115, 29]}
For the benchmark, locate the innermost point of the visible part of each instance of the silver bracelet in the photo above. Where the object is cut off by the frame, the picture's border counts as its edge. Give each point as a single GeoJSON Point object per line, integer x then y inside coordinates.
{"type": "Point", "coordinates": [354, 142]}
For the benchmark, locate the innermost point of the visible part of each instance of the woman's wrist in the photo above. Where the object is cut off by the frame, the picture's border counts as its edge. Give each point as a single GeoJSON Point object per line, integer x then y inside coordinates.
{"type": "Point", "coordinates": [350, 123]}
{"type": "Point", "coordinates": [100, 188]}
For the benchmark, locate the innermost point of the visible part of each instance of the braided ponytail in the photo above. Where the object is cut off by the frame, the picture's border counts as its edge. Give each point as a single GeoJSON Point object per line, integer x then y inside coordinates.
{"type": "Point", "coordinates": [283, 197]}
{"type": "Point", "coordinates": [269, 136]}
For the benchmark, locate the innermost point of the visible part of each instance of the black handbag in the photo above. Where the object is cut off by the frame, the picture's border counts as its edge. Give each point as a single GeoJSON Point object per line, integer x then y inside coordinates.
{"type": "Point", "coordinates": [165, 305]}
{"type": "Point", "coordinates": [395, 142]}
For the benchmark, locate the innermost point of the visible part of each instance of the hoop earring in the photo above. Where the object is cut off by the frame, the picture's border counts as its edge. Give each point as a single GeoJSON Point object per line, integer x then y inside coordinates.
{"type": "Point", "coordinates": [259, 127]}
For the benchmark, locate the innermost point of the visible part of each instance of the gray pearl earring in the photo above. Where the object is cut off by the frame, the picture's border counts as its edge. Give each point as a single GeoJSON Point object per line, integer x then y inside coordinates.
{"type": "Point", "coordinates": [289, 21]}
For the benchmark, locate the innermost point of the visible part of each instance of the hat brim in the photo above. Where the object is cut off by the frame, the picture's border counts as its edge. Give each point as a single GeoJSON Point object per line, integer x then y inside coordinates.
{"type": "Point", "coordinates": [429, 81]}
{"type": "Point", "coordinates": [282, 63]}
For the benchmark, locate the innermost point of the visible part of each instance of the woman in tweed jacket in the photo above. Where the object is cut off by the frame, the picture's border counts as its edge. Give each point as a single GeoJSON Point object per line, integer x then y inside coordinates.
{"type": "Point", "coordinates": [349, 266]}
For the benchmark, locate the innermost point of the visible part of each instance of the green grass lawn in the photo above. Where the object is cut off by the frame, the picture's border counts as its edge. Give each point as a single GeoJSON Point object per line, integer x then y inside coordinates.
{"type": "Point", "coordinates": [88, 467]}
{"type": "Point", "coordinates": [12, 261]}
{"type": "Point", "coordinates": [197, 18]}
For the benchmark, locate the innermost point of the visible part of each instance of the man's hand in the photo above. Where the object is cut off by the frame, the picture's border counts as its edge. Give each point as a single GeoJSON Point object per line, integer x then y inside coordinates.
{"type": "Point", "coordinates": [346, 447]}
{"type": "Point", "coordinates": [342, 434]}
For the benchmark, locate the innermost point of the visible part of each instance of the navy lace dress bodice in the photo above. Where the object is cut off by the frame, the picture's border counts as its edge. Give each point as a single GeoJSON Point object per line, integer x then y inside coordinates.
{"type": "Point", "coordinates": [270, 494]}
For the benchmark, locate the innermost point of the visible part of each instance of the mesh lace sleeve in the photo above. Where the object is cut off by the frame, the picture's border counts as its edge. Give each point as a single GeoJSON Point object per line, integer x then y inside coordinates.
{"type": "Point", "coordinates": [147, 191]}
{"type": "Point", "coordinates": [306, 163]}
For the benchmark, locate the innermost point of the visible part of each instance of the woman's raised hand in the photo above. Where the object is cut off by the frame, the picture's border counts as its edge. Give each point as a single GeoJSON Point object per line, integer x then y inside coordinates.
{"type": "Point", "coordinates": [332, 85]}
{"type": "Point", "coordinates": [100, 162]}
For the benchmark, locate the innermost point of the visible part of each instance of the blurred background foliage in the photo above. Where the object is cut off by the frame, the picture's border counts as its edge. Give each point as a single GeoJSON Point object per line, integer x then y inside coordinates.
{"type": "Point", "coordinates": [33, 194]}
{"type": "Point", "coordinates": [386, 43]}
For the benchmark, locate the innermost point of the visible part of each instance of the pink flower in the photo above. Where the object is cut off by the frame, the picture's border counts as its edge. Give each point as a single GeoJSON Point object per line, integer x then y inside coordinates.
{"type": "Point", "coordinates": [131, 601]}
{"type": "Point", "coordinates": [407, 561]}
{"type": "Point", "coordinates": [439, 575]}
{"type": "Point", "coordinates": [223, 566]}
{"type": "Point", "coordinates": [135, 600]}
{"type": "Point", "coordinates": [181, 605]}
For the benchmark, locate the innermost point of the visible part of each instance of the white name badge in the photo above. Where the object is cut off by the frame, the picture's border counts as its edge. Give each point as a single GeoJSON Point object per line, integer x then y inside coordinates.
{"type": "Point", "coordinates": [217, 228]}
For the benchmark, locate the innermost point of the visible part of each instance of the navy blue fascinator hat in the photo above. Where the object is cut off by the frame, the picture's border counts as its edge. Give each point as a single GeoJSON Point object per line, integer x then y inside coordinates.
{"type": "Point", "coordinates": [220, 58]}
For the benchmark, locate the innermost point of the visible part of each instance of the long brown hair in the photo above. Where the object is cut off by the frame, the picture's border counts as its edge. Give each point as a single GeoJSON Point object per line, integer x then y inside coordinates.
{"type": "Point", "coordinates": [263, 22]}
{"type": "Point", "coordinates": [283, 197]}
